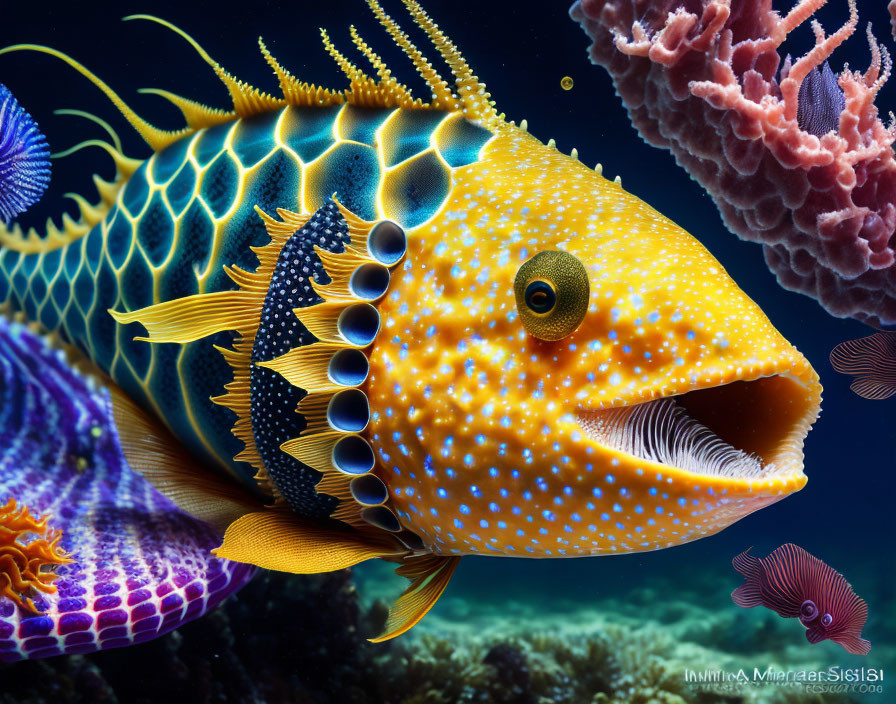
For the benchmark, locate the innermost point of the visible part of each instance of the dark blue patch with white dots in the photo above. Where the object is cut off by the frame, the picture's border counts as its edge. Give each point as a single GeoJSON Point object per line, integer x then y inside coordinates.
{"type": "Point", "coordinates": [273, 399]}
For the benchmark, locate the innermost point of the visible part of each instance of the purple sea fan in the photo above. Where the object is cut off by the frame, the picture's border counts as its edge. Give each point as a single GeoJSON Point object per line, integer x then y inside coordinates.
{"type": "Point", "coordinates": [795, 584]}
{"type": "Point", "coordinates": [24, 158]}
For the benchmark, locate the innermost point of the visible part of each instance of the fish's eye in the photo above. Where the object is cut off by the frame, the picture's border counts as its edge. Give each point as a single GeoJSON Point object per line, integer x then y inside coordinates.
{"type": "Point", "coordinates": [540, 297]}
{"type": "Point", "coordinates": [827, 620]}
{"type": "Point", "coordinates": [808, 610]}
{"type": "Point", "coordinates": [552, 293]}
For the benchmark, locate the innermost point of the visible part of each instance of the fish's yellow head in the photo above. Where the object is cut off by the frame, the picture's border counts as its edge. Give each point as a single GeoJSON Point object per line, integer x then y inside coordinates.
{"type": "Point", "coordinates": [563, 371]}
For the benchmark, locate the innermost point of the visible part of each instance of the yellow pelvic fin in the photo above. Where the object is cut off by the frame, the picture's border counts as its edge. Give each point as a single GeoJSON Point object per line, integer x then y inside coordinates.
{"type": "Point", "coordinates": [152, 451]}
{"type": "Point", "coordinates": [277, 539]}
{"type": "Point", "coordinates": [429, 576]}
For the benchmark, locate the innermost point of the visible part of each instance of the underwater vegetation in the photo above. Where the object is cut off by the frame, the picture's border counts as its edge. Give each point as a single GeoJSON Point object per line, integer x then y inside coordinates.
{"type": "Point", "coordinates": [344, 325]}
{"type": "Point", "coordinates": [785, 165]}
{"type": "Point", "coordinates": [24, 158]}
{"type": "Point", "coordinates": [607, 652]}
{"type": "Point", "coordinates": [795, 584]}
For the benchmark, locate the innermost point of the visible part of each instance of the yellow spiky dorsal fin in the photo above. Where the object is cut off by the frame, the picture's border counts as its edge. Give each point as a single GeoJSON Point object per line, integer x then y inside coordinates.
{"type": "Point", "coordinates": [362, 88]}
{"type": "Point", "coordinates": [471, 91]}
{"type": "Point", "coordinates": [157, 139]}
{"type": "Point", "coordinates": [108, 190]}
{"type": "Point", "coordinates": [297, 92]}
{"type": "Point", "coordinates": [197, 115]}
{"type": "Point", "coordinates": [442, 97]}
{"type": "Point", "coordinates": [387, 83]}
{"type": "Point", "coordinates": [89, 213]}
{"type": "Point", "coordinates": [247, 100]}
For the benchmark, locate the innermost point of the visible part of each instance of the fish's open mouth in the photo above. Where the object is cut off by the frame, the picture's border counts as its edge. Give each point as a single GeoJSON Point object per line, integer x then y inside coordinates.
{"type": "Point", "coordinates": [744, 429]}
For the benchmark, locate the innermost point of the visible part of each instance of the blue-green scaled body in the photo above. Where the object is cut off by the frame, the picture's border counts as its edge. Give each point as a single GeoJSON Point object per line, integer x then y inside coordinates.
{"type": "Point", "coordinates": [190, 210]}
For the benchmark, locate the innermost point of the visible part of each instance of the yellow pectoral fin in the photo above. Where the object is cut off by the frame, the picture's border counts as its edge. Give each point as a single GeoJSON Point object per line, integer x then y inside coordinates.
{"type": "Point", "coordinates": [277, 539]}
{"type": "Point", "coordinates": [429, 576]}
{"type": "Point", "coordinates": [194, 317]}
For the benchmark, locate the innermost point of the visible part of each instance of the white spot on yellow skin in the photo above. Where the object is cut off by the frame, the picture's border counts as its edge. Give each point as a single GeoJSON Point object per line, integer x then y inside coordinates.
{"type": "Point", "coordinates": [494, 460]}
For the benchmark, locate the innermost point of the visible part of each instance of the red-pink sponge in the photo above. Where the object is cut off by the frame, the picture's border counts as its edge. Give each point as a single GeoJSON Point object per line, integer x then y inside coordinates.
{"type": "Point", "coordinates": [704, 79]}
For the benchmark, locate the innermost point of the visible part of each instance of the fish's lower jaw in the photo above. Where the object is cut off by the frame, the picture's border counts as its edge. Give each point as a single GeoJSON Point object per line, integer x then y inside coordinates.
{"type": "Point", "coordinates": [748, 431]}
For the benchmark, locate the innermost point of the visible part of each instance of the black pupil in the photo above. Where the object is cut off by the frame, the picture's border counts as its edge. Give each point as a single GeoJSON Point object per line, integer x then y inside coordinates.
{"type": "Point", "coordinates": [540, 297]}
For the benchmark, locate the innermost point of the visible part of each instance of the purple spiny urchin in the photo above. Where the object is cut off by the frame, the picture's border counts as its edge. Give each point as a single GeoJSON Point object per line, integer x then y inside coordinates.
{"type": "Point", "coordinates": [24, 158]}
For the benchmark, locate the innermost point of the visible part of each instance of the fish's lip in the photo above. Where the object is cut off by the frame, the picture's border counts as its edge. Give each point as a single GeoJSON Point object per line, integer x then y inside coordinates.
{"type": "Point", "coordinates": [787, 474]}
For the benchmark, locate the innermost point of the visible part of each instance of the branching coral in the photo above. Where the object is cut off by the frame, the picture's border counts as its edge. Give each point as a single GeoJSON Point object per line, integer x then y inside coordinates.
{"type": "Point", "coordinates": [27, 564]}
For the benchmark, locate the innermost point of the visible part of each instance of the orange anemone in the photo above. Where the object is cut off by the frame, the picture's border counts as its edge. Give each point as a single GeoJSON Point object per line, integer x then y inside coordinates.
{"type": "Point", "coordinates": [27, 546]}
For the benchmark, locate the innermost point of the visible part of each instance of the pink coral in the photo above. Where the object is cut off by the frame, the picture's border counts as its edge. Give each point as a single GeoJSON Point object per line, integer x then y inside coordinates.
{"type": "Point", "coordinates": [701, 78]}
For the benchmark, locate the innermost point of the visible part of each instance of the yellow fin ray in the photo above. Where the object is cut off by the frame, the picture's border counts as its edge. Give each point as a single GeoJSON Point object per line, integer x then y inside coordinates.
{"type": "Point", "coordinates": [314, 408]}
{"type": "Point", "coordinates": [276, 539]}
{"type": "Point", "coordinates": [306, 367]}
{"type": "Point", "coordinates": [246, 99]}
{"type": "Point", "coordinates": [113, 135]}
{"type": "Point", "coordinates": [296, 92]}
{"type": "Point", "coordinates": [429, 576]}
{"type": "Point", "coordinates": [89, 214]}
{"type": "Point", "coordinates": [387, 83]}
{"type": "Point", "coordinates": [194, 317]}
{"type": "Point", "coordinates": [322, 321]}
{"type": "Point", "coordinates": [337, 485]}
{"type": "Point", "coordinates": [442, 97]}
{"type": "Point", "coordinates": [471, 90]}
{"type": "Point", "coordinates": [340, 267]}
{"type": "Point", "coordinates": [153, 136]}
{"type": "Point", "coordinates": [316, 451]}
{"type": "Point", "coordinates": [196, 115]}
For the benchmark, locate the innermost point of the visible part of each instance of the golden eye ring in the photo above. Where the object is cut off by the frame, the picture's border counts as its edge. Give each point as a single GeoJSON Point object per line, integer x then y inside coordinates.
{"type": "Point", "coordinates": [552, 293]}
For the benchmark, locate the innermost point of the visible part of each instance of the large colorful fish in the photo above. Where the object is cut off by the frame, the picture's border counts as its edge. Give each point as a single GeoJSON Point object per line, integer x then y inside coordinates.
{"type": "Point", "coordinates": [346, 325]}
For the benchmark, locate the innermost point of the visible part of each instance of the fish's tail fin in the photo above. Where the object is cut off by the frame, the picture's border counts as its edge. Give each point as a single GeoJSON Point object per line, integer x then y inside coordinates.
{"type": "Point", "coordinates": [854, 644]}
{"type": "Point", "coordinates": [748, 594]}
{"type": "Point", "coordinates": [872, 361]}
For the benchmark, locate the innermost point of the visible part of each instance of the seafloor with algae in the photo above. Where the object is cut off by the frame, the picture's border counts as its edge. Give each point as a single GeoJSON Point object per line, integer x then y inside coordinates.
{"type": "Point", "coordinates": [301, 639]}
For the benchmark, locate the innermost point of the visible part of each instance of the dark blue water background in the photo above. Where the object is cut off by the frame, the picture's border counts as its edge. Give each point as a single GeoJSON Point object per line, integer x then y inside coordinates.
{"type": "Point", "coordinates": [521, 50]}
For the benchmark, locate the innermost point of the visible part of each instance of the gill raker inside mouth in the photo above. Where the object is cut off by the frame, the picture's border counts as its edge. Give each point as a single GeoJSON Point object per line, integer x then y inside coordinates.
{"type": "Point", "coordinates": [745, 429]}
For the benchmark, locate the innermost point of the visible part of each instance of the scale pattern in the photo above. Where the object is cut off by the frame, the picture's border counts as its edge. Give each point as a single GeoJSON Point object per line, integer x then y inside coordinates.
{"type": "Point", "coordinates": [190, 210]}
{"type": "Point", "coordinates": [141, 566]}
